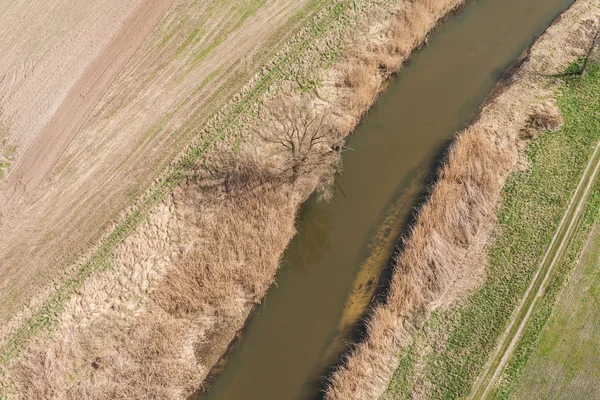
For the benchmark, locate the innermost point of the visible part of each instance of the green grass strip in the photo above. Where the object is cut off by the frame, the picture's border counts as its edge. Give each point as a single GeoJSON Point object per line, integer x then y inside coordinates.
{"type": "Point", "coordinates": [534, 202]}
{"type": "Point", "coordinates": [588, 118]}
{"type": "Point", "coordinates": [556, 251]}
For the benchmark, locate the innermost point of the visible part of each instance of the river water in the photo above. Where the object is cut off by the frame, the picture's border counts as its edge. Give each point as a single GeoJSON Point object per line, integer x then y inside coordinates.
{"type": "Point", "coordinates": [334, 264]}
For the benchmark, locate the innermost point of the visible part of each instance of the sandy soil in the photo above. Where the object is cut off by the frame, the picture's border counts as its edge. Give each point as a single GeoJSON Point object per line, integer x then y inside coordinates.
{"type": "Point", "coordinates": [198, 56]}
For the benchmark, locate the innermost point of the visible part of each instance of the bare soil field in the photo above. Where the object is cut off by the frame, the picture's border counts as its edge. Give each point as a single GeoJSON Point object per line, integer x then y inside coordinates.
{"type": "Point", "coordinates": [82, 98]}
{"type": "Point", "coordinates": [47, 46]}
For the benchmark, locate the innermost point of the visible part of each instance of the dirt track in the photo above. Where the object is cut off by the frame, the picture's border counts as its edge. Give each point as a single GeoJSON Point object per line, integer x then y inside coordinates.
{"type": "Point", "coordinates": [56, 135]}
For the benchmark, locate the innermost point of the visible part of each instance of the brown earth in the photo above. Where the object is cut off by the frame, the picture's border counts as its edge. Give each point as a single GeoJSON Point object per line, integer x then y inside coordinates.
{"type": "Point", "coordinates": [82, 98]}
{"type": "Point", "coordinates": [46, 47]}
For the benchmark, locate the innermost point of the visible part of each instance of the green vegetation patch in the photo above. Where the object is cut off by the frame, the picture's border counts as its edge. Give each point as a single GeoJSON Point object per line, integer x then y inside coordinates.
{"type": "Point", "coordinates": [194, 37]}
{"type": "Point", "coordinates": [532, 206]}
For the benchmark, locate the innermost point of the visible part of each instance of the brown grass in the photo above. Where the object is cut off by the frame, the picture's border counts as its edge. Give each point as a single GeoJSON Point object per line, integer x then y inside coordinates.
{"type": "Point", "coordinates": [230, 266]}
{"type": "Point", "coordinates": [371, 59]}
{"type": "Point", "coordinates": [221, 264]}
{"type": "Point", "coordinates": [544, 116]}
{"type": "Point", "coordinates": [152, 364]}
{"type": "Point", "coordinates": [357, 77]}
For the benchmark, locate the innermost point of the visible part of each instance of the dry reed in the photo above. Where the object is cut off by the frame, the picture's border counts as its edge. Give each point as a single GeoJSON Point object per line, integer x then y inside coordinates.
{"type": "Point", "coordinates": [543, 116]}
{"type": "Point", "coordinates": [447, 229]}
{"type": "Point", "coordinates": [369, 61]}
{"type": "Point", "coordinates": [164, 353]}
{"type": "Point", "coordinates": [221, 264]}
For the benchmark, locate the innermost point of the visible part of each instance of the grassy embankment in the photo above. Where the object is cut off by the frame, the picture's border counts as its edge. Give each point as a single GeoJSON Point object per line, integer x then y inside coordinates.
{"type": "Point", "coordinates": [533, 203]}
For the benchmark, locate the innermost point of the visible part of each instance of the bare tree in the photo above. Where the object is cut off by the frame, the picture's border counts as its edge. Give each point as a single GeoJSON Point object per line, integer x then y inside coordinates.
{"type": "Point", "coordinates": [303, 141]}
{"type": "Point", "coordinates": [304, 135]}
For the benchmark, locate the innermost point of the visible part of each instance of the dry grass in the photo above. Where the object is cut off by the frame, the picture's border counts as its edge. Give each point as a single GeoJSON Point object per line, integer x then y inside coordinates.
{"type": "Point", "coordinates": [544, 116]}
{"type": "Point", "coordinates": [391, 39]}
{"type": "Point", "coordinates": [220, 275]}
{"type": "Point", "coordinates": [221, 265]}
{"type": "Point", "coordinates": [358, 77]}
{"type": "Point", "coordinates": [43, 378]}
{"type": "Point", "coordinates": [163, 354]}
{"type": "Point", "coordinates": [150, 364]}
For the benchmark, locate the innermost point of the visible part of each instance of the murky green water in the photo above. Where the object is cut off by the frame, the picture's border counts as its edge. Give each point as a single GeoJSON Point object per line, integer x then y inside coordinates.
{"type": "Point", "coordinates": [334, 263]}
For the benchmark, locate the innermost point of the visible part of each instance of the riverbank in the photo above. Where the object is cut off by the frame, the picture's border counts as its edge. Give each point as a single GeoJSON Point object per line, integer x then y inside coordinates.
{"type": "Point", "coordinates": [441, 358]}
{"type": "Point", "coordinates": [156, 306]}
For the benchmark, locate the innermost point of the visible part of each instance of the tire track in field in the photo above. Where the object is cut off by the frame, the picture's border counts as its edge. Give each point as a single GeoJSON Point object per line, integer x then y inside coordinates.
{"type": "Point", "coordinates": [553, 255]}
